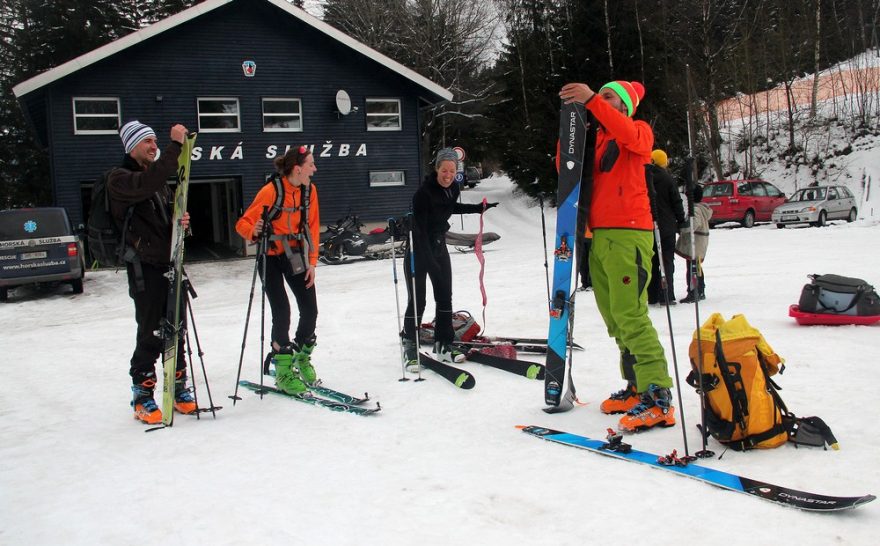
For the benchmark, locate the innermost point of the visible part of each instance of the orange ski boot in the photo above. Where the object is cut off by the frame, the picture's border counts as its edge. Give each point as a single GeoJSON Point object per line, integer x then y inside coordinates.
{"type": "Point", "coordinates": [145, 408]}
{"type": "Point", "coordinates": [184, 401]}
{"type": "Point", "coordinates": [621, 401]}
{"type": "Point", "coordinates": [654, 409]}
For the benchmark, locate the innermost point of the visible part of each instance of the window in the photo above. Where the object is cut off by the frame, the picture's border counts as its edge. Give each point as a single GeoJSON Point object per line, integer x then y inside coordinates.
{"type": "Point", "coordinates": [383, 115]}
{"type": "Point", "coordinates": [832, 194]}
{"type": "Point", "coordinates": [718, 190]}
{"type": "Point", "coordinates": [772, 190]}
{"type": "Point", "coordinates": [282, 115]}
{"type": "Point", "coordinates": [219, 115]}
{"type": "Point", "coordinates": [95, 116]}
{"type": "Point", "coordinates": [758, 190]}
{"type": "Point", "coordinates": [744, 189]}
{"type": "Point", "coordinates": [381, 179]}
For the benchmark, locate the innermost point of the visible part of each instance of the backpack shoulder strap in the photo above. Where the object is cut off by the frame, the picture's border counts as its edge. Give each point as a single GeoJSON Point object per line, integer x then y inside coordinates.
{"type": "Point", "coordinates": [278, 205]}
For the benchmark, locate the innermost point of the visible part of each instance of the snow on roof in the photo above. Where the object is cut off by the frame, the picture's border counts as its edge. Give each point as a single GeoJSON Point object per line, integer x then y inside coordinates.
{"type": "Point", "coordinates": [197, 10]}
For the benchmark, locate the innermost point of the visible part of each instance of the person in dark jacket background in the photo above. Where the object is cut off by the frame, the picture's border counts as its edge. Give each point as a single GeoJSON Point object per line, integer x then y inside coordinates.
{"type": "Point", "coordinates": [432, 205]}
{"type": "Point", "coordinates": [141, 184]}
{"type": "Point", "coordinates": [670, 218]}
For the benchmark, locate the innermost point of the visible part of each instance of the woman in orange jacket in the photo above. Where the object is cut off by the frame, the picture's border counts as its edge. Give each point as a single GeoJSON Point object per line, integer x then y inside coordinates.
{"type": "Point", "coordinates": [293, 234]}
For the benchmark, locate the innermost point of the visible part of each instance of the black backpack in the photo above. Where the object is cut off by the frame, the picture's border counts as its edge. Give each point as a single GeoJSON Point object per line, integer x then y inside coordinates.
{"type": "Point", "coordinates": [106, 238]}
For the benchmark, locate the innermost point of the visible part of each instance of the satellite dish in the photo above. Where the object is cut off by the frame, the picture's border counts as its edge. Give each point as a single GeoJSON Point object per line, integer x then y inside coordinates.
{"type": "Point", "coordinates": [343, 102]}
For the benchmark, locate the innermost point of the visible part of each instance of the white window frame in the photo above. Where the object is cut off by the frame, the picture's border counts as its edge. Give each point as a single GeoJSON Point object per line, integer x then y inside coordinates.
{"type": "Point", "coordinates": [76, 116]}
{"type": "Point", "coordinates": [199, 114]}
{"type": "Point", "coordinates": [388, 183]}
{"type": "Point", "coordinates": [369, 115]}
{"type": "Point", "coordinates": [298, 116]}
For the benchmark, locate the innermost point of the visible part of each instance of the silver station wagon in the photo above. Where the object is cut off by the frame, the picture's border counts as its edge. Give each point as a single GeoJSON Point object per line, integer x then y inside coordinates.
{"type": "Point", "coordinates": [815, 206]}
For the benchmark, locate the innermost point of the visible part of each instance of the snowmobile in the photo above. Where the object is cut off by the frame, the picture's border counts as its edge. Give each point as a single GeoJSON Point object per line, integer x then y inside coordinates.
{"type": "Point", "coordinates": [465, 242]}
{"type": "Point", "coordinates": [344, 239]}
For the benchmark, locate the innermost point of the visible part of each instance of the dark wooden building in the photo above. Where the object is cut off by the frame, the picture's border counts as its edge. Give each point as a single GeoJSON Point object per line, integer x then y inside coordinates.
{"type": "Point", "coordinates": [252, 77]}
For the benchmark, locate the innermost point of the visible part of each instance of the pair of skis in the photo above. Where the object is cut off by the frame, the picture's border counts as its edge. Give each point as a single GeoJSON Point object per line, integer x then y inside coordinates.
{"type": "Point", "coordinates": [575, 130]}
{"type": "Point", "coordinates": [319, 395]}
{"type": "Point", "coordinates": [522, 345]}
{"type": "Point", "coordinates": [172, 328]}
{"type": "Point", "coordinates": [465, 380]}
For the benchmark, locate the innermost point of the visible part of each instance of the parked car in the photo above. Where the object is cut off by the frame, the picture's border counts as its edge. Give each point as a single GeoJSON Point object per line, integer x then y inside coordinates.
{"type": "Point", "coordinates": [816, 205]}
{"type": "Point", "coordinates": [39, 246]}
{"type": "Point", "coordinates": [743, 201]}
{"type": "Point", "coordinates": [472, 176]}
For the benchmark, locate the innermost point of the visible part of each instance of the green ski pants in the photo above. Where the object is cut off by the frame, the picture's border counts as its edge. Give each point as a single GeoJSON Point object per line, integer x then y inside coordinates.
{"type": "Point", "coordinates": [620, 265]}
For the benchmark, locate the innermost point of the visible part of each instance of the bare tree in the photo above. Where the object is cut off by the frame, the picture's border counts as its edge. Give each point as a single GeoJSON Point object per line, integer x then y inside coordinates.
{"type": "Point", "coordinates": [817, 57]}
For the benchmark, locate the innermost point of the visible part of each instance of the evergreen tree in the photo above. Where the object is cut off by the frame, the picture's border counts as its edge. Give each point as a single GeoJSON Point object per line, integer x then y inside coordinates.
{"type": "Point", "coordinates": [37, 36]}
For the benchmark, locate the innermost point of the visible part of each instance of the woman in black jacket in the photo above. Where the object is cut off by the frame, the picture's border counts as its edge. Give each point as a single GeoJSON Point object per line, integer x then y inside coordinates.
{"type": "Point", "coordinates": [432, 205]}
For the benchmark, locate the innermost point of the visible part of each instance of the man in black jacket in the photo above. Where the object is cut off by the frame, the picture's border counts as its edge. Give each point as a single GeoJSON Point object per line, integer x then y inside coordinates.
{"type": "Point", "coordinates": [432, 205]}
{"type": "Point", "coordinates": [139, 188]}
{"type": "Point", "coordinates": [670, 216]}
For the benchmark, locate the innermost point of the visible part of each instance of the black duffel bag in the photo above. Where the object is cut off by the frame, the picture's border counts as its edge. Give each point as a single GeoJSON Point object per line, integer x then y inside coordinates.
{"type": "Point", "coordinates": [838, 295]}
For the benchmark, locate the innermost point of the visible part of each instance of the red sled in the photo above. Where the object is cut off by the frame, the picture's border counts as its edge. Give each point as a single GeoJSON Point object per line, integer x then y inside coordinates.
{"type": "Point", "coordinates": [807, 319]}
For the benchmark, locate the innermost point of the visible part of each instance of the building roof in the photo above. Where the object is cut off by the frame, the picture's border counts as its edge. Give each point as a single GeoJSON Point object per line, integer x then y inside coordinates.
{"type": "Point", "coordinates": [197, 10]}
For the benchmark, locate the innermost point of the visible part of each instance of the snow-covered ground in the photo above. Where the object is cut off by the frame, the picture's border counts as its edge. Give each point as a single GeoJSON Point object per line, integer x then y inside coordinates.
{"type": "Point", "coordinates": [437, 465]}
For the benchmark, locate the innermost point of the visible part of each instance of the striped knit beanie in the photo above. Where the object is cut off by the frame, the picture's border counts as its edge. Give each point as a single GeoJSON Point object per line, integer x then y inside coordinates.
{"type": "Point", "coordinates": [631, 93]}
{"type": "Point", "coordinates": [132, 133]}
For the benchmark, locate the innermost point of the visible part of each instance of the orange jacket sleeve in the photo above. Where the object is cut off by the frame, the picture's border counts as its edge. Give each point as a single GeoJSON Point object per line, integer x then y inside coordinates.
{"type": "Point", "coordinates": [628, 133]}
{"type": "Point", "coordinates": [245, 225]}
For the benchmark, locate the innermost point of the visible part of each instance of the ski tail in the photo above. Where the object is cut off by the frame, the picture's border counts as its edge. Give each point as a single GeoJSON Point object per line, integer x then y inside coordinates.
{"type": "Point", "coordinates": [524, 368]}
{"type": "Point", "coordinates": [456, 376]}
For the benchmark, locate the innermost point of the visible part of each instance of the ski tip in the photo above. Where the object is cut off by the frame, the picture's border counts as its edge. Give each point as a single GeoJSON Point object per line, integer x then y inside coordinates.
{"type": "Point", "coordinates": [521, 427]}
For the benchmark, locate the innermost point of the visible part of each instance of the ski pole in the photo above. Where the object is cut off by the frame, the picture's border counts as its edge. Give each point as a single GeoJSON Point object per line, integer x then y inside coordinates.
{"type": "Point", "coordinates": [415, 302]}
{"type": "Point", "coordinates": [264, 259]}
{"type": "Point", "coordinates": [260, 247]}
{"type": "Point", "coordinates": [691, 176]}
{"type": "Point", "coordinates": [192, 321]}
{"type": "Point", "coordinates": [546, 265]}
{"type": "Point", "coordinates": [403, 376]}
{"type": "Point", "coordinates": [664, 287]}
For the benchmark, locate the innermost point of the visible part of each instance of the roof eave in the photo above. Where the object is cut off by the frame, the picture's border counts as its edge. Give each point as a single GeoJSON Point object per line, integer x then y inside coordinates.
{"type": "Point", "coordinates": [159, 27]}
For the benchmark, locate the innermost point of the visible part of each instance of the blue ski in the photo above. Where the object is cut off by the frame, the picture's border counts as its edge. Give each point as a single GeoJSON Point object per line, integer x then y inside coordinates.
{"type": "Point", "coordinates": [725, 480]}
{"type": "Point", "coordinates": [558, 390]}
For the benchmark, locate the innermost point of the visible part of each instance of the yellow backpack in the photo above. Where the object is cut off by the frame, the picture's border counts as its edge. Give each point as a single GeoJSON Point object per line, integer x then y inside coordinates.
{"type": "Point", "coordinates": [743, 409]}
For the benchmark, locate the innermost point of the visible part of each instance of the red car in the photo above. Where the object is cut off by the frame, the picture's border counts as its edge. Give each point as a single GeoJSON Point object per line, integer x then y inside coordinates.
{"type": "Point", "coordinates": [743, 201]}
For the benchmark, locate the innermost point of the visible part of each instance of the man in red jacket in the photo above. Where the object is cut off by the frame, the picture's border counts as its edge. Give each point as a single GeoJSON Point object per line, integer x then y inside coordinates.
{"type": "Point", "coordinates": [620, 257]}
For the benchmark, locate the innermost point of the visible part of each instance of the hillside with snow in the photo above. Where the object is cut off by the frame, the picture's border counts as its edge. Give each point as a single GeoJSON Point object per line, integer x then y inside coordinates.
{"type": "Point", "coordinates": [840, 145]}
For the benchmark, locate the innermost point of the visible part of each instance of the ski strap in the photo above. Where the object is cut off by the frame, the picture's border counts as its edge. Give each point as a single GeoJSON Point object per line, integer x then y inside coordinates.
{"type": "Point", "coordinates": [478, 251]}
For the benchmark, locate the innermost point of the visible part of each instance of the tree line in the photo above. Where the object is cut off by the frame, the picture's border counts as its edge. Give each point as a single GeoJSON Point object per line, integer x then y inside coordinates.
{"type": "Point", "coordinates": [504, 61]}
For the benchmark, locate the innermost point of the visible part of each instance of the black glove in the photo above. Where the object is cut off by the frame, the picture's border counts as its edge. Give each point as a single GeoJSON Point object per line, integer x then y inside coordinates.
{"type": "Point", "coordinates": [490, 205]}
